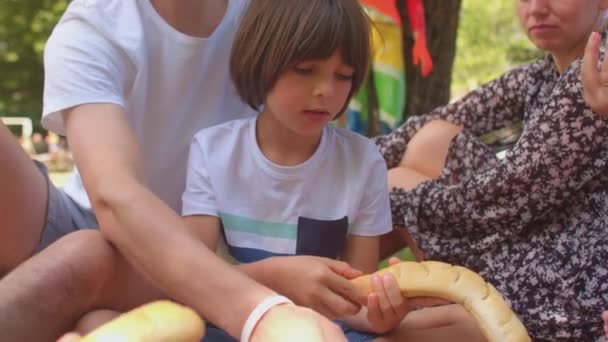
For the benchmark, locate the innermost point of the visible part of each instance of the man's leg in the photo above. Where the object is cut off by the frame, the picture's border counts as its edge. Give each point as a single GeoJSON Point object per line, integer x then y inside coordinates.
{"type": "Point", "coordinates": [46, 295]}
{"type": "Point", "coordinates": [23, 200]}
{"type": "Point", "coordinates": [441, 323]}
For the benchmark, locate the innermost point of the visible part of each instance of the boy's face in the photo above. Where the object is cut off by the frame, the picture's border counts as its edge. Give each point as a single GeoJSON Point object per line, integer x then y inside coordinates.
{"type": "Point", "coordinates": [310, 94]}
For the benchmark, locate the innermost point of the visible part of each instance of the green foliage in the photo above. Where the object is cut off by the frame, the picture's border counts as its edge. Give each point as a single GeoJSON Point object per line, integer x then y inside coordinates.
{"type": "Point", "coordinates": [490, 41]}
{"type": "Point", "coordinates": [24, 28]}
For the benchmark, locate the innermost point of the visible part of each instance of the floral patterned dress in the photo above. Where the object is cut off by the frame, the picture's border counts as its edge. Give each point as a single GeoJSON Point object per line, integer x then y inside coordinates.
{"type": "Point", "coordinates": [534, 224]}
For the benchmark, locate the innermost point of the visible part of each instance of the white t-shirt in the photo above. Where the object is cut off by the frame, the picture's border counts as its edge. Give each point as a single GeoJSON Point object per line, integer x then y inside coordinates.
{"type": "Point", "coordinates": [171, 85]}
{"type": "Point", "coordinates": [268, 209]}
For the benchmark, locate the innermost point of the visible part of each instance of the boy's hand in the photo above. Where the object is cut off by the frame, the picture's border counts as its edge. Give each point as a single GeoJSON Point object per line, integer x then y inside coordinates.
{"type": "Point", "coordinates": [321, 284]}
{"type": "Point", "coordinates": [595, 83]}
{"type": "Point", "coordinates": [386, 306]}
{"type": "Point", "coordinates": [288, 322]}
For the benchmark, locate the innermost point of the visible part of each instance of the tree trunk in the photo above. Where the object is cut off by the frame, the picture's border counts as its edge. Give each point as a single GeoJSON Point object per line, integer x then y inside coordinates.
{"type": "Point", "coordinates": [426, 93]}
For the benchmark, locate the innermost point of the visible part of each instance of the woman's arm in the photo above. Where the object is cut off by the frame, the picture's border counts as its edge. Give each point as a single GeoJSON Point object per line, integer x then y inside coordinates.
{"type": "Point", "coordinates": [490, 107]}
{"type": "Point", "coordinates": [595, 82]}
{"type": "Point", "coordinates": [560, 151]}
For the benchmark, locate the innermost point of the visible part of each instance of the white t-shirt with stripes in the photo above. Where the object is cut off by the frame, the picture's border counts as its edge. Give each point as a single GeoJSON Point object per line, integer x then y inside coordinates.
{"type": "Point", "coordinates": [268, 209]}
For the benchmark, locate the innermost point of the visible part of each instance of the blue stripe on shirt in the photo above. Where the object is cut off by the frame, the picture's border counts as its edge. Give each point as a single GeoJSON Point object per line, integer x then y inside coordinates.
{"type": "Point", "coordinates": [247, 255]}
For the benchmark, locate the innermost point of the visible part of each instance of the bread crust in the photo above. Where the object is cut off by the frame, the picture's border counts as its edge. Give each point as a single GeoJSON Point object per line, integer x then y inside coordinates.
{"type": "Point", "coordinates": [459, 285]}
{"type": "Point", "coordinates": [160, 321]}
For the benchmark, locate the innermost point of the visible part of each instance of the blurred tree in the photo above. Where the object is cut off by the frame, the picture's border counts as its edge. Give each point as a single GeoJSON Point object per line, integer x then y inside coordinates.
{"type": "Point", "coordinates": [490, 42]}
{"type": "Point", "coordinates": [24, 28]}
{"type": "Point", "coordinates": [471, 42]}
{"type": "Point", "coordinates": [425, 93]}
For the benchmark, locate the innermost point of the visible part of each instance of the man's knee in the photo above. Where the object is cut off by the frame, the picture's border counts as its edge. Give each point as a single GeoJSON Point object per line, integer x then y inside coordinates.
{"type": "Point", "coordinates": [78, 265]}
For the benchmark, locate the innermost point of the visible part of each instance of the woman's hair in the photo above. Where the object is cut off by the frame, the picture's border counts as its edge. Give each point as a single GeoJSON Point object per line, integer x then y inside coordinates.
{"type": "Point", "coordinates": [276, 34]}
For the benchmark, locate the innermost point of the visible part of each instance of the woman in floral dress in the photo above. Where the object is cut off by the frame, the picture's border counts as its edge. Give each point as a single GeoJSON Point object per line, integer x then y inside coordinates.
{"type": "Point", "coordinates": [535, 223]}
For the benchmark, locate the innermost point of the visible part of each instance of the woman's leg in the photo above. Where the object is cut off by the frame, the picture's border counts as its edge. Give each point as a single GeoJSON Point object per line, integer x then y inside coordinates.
{"type": "Point", "coordinates": [23, 201]}
{"type": "Point", "coordinates": [427, 151]}
{"type": "Point", "coordinates": [424, 159]}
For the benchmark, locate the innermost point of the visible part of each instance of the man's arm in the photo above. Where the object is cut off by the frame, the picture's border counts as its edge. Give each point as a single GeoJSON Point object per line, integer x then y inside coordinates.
{"type": "Point", "coordinates": [154, 238]}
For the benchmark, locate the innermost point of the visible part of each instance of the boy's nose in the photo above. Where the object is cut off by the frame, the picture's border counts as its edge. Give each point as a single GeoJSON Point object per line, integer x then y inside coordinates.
{"type": "Point", "coordinates": [324, 88]}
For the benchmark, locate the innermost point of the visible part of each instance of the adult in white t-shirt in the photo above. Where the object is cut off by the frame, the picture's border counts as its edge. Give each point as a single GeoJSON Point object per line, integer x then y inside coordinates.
{"type": "Point", "coordinates": [128, 82]}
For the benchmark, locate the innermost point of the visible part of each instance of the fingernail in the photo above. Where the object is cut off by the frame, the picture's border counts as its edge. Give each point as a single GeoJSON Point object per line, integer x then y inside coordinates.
{"type": "Point", "coordinates": [595, 36]}
{"type": "Point", "coordinates": [387, 277]}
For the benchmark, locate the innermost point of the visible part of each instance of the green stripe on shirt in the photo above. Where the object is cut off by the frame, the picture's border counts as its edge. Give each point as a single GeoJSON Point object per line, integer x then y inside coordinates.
{"type": "Point", "coordinates": [269, 229]}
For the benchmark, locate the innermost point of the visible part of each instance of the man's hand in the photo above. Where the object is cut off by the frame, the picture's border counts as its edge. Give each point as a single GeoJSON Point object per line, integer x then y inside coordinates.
{"type": "Point", "coordinates": [291, 323]}
{"type": "Point", "coordinates": [595, 82]}
{"type": "Point", "coordinates": [318, 283]}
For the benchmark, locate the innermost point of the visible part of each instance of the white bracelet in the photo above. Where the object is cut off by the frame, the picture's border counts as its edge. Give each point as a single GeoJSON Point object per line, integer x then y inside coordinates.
{"type": "Point", "coordinates": [259, 311]}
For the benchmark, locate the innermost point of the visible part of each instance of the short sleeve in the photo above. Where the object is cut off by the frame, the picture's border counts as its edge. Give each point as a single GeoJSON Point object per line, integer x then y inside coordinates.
{"type": "Point", "coordinates": [81, 66]}
{"type": "Point", "coordinates": [199, 197]}
{"type": "Point", "coordinates": [374, 215]}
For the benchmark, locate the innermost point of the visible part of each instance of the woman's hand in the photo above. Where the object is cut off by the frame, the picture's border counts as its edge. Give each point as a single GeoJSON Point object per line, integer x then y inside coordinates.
{"type": "Point", "coordinates": [321, 284]}
{"type": "Point", "coordinates": [595, 82]}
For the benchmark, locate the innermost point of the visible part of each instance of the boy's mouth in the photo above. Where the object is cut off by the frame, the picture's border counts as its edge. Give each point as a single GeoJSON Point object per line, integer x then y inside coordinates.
{"type": "Point", "coordinates": [317, 112]}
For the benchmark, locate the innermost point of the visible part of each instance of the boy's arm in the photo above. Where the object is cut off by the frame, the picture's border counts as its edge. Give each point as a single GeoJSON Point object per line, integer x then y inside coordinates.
{"type": "Point", "coordinates": [155, 239]}
{"type": "Point", "coordinates": [206, 228]}
{"type": "Point", "coordinates": [318, 283]}
{"type": "Point", "coordinates": [361, 253]}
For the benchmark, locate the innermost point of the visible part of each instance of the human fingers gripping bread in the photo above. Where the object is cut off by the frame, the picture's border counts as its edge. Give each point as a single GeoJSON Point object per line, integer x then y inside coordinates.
{"type": "Point", "coordinates": [161, 321]}
{"type": "Point", "coordinates": [458, 285]}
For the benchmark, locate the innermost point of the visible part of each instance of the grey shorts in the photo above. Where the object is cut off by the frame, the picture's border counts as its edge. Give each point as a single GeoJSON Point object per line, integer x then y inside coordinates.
{"type": "Point", "coordinates": [63, 214]}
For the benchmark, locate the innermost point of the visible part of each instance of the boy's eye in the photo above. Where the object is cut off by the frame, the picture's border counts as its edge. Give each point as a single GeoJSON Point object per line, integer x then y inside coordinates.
{"type": "Point", "coordinates": [344, 77]}
{"type": "Point", "coordinates": [302, 70]}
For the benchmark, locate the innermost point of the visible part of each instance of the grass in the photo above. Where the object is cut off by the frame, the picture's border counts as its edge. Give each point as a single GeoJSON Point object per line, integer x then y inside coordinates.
{"type": "Point", "coordinates": [59, 178]}
{"type": "Point", "coordinates": [404, 254]}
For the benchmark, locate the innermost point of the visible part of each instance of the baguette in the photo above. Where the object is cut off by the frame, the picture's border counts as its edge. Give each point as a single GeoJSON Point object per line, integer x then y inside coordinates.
{"type": "Point", "coordinates": [160, 321]}
{"type": "Point", "coordinates": [459, 285]}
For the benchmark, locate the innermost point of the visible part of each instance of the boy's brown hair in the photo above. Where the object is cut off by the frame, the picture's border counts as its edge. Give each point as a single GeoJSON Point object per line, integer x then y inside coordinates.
{"type": "Point", "coordinates": [275, 34]}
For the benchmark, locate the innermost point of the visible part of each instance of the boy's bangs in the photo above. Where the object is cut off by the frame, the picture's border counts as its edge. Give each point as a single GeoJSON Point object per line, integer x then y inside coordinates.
{"type": "Point", "coordinates": [333, 26]}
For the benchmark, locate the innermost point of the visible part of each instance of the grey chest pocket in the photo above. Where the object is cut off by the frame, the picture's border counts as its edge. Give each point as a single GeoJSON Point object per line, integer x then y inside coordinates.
{"type": "Point", "coordinates": [321, 238]}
